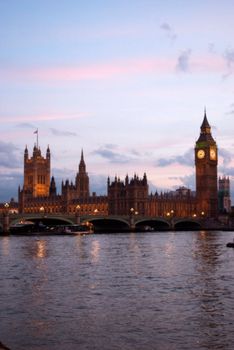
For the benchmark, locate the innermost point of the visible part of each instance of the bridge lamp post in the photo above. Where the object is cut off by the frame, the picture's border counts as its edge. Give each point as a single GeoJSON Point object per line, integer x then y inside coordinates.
{"type": "Point", "coordinates": [194, 215]}
{"type": "Point", "coordinates": [42, 211]}
{"type": "Point", "coordinates": [78, 214]}
{"type": "Point", "coordinates": [6, 224]}
{"type": "Point", "coordinates": [95, 211]}
{"type": "Point", "coordinates": [132, 223]}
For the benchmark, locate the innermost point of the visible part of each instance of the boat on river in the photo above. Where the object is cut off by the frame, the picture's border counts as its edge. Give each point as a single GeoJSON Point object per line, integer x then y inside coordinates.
{"type": "Point", "coordinates": [230, 244]}
{"type": "Point", "coordinates": [32, 229]}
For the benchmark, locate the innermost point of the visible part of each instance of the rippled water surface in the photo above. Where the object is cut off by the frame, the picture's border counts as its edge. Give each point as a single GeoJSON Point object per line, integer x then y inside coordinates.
{"type": "Point", "coordinates": [120, 291]}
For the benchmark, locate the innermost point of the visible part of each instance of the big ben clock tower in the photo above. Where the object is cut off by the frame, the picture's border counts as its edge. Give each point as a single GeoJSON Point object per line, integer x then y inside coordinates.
{"type": "Point", "coordinates": [206, 160]}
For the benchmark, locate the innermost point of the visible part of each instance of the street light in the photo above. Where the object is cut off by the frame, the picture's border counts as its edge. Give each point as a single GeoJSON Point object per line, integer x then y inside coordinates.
{"type": "Point", "coordinates": [78, 214]}
{"type": "Point", "coordinates": [132, 223]}
{"type": "Point", "coordinates": [42, 210]}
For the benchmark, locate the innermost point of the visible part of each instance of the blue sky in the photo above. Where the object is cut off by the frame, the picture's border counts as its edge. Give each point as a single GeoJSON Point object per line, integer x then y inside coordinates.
{"type": "Point", "coordinates": [127, 81]}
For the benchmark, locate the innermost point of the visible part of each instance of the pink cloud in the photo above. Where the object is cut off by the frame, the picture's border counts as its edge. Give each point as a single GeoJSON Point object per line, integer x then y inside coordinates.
{"type": "Point", "coordinates": [42, 117]}
{"type": "Point", "coordinates": [208, 63]}
{"type": "Point", "coordinates": [115, 70]}
{"type": "Point", "coordinates": [91, 72]}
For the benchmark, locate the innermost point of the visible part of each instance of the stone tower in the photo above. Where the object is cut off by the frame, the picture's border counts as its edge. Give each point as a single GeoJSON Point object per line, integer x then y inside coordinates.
{"type": "Point", "coordinates": [224, 195]}
{"type": "Point", "coordinates": [37, 173]}
{"type": "Point", "coordinates": [206, 160]}
{"type": "Point", "coordinates": [82, 180]}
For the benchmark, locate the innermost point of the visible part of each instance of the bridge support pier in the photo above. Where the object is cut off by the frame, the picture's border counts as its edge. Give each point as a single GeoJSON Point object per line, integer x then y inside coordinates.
{"type": "Point", "coordinates": [132, 224]}
{"type": "Point", "coordinates": [6, 223]}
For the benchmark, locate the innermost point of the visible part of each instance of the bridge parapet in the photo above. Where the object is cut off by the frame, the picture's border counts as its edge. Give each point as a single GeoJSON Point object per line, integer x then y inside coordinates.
{"type": "Point", "coordinates": [135, 222]}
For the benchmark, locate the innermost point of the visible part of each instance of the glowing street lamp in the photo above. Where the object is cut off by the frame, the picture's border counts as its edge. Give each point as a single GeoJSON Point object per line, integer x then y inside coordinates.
{"type": "Point", "coordinates": [78, 214]}
{"type": "Point", "coordinates": [42, 210]}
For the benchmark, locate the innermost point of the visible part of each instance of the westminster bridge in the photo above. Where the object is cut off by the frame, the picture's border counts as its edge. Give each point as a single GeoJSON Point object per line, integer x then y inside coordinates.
{"type": "Point", "coordinates": [112, 223]}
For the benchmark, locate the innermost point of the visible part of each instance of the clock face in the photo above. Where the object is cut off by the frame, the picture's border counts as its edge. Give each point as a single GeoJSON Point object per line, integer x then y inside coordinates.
{"type": "Point", "coordinates": [200, 154]}
{"type": "Point", "coordinates": [212, 154]}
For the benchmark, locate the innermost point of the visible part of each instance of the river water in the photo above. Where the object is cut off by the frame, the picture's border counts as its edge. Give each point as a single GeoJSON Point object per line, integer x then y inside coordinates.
{"type": "Point", "coordinates": [146, 291]}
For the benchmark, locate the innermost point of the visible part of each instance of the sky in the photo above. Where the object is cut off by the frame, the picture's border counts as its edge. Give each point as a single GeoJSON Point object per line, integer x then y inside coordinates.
{"type": "Point", "coordinates": [126, 81]}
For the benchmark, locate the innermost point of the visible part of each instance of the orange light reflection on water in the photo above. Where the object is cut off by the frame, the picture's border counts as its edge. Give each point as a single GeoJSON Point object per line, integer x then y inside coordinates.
{"type": "Point", "coordinates": [40, 249]}
{"type": "Point", "coordinates": [5, 246]}
{"type": "Point", "coordinates": [95, 250]}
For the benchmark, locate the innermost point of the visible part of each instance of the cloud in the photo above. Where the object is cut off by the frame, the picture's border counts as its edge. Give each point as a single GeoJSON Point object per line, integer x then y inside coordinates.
{"type": "Point", "coordinates": [183, 61]}
{"type": "Point", "coordinates": [111, 155]}
{"type": "Point", "coordinates": [8, 155]}
{"type": "Point", "coordinates": [228, 171]}
{"type": "Point", "coordinates": [186, 159]}
{"type": "Point", "coordinates": [226, 155]}
{"type": "Point", "coordinates": [100, 71]}
{"type": "Point", "coordinates": [211, 48]}
{"type": "Point", "coordinates": [231, 111]}
{"type": "Point", "coordinates": [23, 120]}
{"type": "Point", "coordinates": [108, 70]}
{"type": "Point", "coordinates": [9, 183]}
{"type": "Point", "coordinates": [98, 184]}
{"type": "Point", "coordinates": [187, 180]}
{"type": "Point", "coordinates": [168, 31]}
{"type": "Point", "coordinates": [229, 59]}
{"type": "Point", "coordinates": [57, 132]}
{"type": "Point", "coordinates": [26, 125]}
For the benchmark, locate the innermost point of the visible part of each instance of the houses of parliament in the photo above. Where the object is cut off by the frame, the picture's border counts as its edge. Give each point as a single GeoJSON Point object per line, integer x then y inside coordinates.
{"type": "Point", "coordinates": [39, 189]}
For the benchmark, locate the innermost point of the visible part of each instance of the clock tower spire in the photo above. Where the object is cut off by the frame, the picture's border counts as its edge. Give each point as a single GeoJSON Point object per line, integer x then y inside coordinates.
{"type": "Point", "coordinates": [206, 161]}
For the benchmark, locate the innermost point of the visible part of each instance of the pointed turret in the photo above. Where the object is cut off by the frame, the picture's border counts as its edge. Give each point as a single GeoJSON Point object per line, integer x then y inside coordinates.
{"type": "Point", "coordinates": [82, 166]}
{"type": "Point", "coordinates": [82, 179]}
{"type": "Point", "coordinates": [48, 152]}
{"type": "Point", "coordinates": [205, 133]}
{"type": "Point", "coordinates": [53, 189]}
{"type": "Point", "coordinates": [26, 153]}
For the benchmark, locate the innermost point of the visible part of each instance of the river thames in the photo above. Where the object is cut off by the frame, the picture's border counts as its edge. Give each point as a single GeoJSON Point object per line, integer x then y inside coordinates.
{"type": "Point", "coordinates": [164, 290]}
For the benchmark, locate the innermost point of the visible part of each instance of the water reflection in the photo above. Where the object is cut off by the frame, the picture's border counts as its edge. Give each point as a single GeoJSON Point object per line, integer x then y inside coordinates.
{"type": "Point", "coordinates": [207, 289]}
{"type": "Point", "coordinates": [36, 249]}
{"type": "Point", "coordinates": [41, 249]}
{"type": "Point", "coordinates": [95, 251]}
{"type": "Point", "coordinates": [5, 245]}
{"type": "Point", "coordinates": [207, 249]}
{"type": "Point", "coordinates": [121, 291]}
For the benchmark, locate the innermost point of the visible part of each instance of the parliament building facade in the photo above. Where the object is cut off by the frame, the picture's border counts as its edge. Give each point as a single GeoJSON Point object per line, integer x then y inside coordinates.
{"type": "Point", "coordinates": [39, 190]}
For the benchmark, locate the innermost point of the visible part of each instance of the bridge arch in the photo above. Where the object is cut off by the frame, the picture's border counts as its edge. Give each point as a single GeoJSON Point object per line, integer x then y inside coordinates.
{"type": "Point", "coordinates": [187, 225]}
{"type": "Point", "coordinates": [111, 225]}
{"type": "Point", "coordinates": [154, 224]}
{"type": "Point", "coordinates": [46, 220]}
